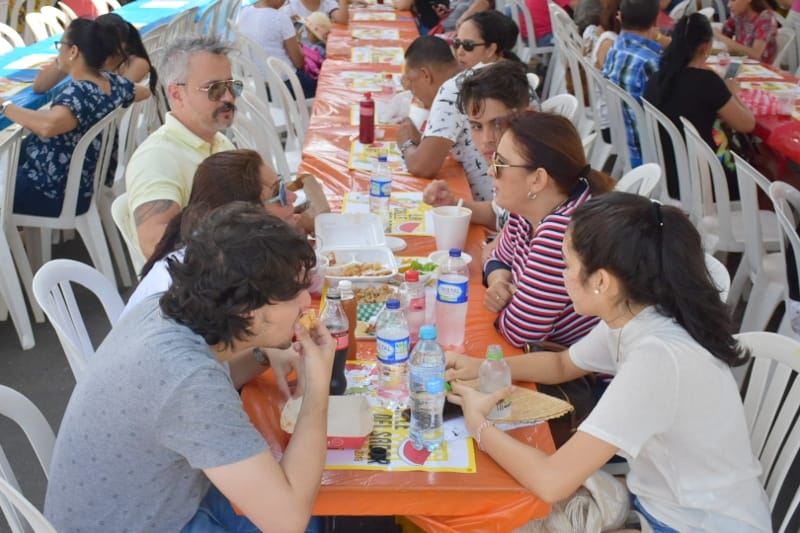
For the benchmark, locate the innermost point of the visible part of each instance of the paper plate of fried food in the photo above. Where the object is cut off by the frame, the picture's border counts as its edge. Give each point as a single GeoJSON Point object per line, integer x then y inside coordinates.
{"type": "Point", "coordinates": [361, 264]}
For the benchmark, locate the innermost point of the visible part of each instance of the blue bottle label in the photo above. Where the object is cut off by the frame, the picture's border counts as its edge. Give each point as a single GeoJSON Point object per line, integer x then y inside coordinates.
{"type": "Point", "coordinates": [434, 385]}
{"type": "Point", "coordinates": [392, 350]}
{"type": "Point", "coordinates": [451, 293]}
{"type": "Point", "coordinates": [380, 188]}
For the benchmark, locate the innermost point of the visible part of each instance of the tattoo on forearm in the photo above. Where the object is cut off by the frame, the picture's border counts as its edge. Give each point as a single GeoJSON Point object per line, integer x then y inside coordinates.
{"type": "Point", "coordinates": [147, 210]}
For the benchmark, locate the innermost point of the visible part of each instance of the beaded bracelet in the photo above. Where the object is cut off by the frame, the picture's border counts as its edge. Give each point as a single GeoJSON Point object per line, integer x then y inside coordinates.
{"type": "Point", "coordinates": [485, 424]}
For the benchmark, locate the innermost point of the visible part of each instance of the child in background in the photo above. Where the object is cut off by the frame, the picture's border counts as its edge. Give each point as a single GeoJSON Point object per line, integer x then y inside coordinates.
{"type": "Point", "coordinates": [317, 27]}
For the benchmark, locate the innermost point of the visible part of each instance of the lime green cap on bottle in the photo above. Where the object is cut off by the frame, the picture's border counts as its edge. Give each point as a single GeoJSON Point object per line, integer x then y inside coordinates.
{"type": "Point", "coordinates": [494, 352]}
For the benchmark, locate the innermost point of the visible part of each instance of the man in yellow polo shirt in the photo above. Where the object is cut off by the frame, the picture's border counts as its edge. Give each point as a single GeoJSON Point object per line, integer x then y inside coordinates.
{"type": "Point", "coordinates": [197, 76]}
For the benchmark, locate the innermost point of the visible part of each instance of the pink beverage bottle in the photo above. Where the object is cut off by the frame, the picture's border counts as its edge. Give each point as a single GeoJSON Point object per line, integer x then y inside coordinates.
{"type": "Point", "coordinates": [413, 295]}
{"type": "Point", "coordinates": [366, 120]}
{"type": "Point", "coordinates": [336, 321]}
{"type": "Point", "coordinates": [452, 290]}
{"type": "Point", "coordinates": [387, 87]}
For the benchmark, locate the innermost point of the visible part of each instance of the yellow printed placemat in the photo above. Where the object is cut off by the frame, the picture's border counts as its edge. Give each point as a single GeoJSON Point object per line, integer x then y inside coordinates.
{"type": "Point", "coordinates": [376, 34]}
{"type": "Point", "coordinates": [409, 215]}
{"type": "Point", "coordinates": [375, 15]}
{"type": "Point", "coordinates": [390, 432]}
{"type": "Point", "coordinates": [364, 156]}
{"type": "Point", "coordinates": [377, 54]}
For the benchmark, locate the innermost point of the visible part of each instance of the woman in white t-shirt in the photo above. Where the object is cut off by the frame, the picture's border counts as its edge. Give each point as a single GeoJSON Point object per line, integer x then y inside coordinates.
{"type": "Point", "coordinates": [273, 30]}
{"type": "Point", "coordinates": [673, 409]}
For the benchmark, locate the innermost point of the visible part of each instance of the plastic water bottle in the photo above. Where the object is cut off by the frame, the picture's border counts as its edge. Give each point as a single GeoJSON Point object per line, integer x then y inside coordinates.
{"type": "Point", "coordinates": [380, 190]}
{"type": "Point", "coordinates": [412, 298]}
{"type": "Point", "coordinates": [387, 87]}
{"type": "Point", "coordinates": [426, 388]}
{"type": "Point", "coordinates": [392, 343]}
{"type": "Point", "coordinates": [452, 291]}
{"type": "Point", "coordinates": [495, 374]}
{"type": "Point", "coordinates": [335, 320]}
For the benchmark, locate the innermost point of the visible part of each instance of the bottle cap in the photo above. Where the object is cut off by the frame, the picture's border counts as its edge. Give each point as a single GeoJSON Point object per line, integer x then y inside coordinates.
{"type": "Point", "coordinates": [412, 275]}
{"type": "Point", "coordinates": [368, 96]}
{"type": "Point", "coordinates": [388, 76]}
{"type": "Point", "coordinates": [427, 332]}
{"type": "Point", "coordinates": [455, 252]}
{"type": "Point", "coordinates": [333, 293]}
{"type": "Point", "coordinates": [494, 352]}
{"type": "Point", "coordinates": [345, 285]}
{"type": "Point", "coordinates": [392, 303]}
{"type": "Point", "coordinates": [382, 158]}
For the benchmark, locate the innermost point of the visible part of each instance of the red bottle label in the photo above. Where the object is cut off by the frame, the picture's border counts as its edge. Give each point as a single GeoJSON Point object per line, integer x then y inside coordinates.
{"type": "Point", "coordinates": [340, 337]}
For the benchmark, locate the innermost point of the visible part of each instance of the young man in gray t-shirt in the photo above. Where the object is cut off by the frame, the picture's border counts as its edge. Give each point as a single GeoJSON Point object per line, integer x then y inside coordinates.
{"type": "Point", "coordinates": [154, 434]}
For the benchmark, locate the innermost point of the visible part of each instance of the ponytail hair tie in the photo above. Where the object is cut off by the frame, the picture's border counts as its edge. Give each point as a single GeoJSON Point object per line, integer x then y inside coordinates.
{"type": "Point", "coordinates": [659, 220]}
{"type": "Point", "coordinates": [584, 172]}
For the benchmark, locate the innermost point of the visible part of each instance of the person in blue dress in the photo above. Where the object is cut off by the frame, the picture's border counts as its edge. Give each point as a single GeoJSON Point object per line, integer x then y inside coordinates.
{"type": "Point", "coordinates": [87, 98]}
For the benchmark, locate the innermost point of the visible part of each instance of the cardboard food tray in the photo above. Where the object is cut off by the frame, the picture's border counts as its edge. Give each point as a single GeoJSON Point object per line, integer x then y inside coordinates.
{"type": "Point", "coordinates": [528, 405]}
{"type": "Point", "coordinates": [350, 420]}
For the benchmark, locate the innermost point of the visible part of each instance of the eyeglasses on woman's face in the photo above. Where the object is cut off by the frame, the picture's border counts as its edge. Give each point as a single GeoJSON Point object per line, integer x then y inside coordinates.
{"type": "Point", "coordinates": [59, 44]}
{"type": "Point", "coordinates": [280, 197]}
{"type": "Point", "coordinates": [496, 163]}
{"type": "Point", "coordinates": [216, 90]}
{"type": "Point", "coordinates": [468, 44]}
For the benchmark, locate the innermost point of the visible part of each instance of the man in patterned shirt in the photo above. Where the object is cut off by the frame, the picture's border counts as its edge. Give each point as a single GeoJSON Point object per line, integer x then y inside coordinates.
{"type": "Point", "coordinates": [633, 58]}
{"type": "Point", "coordinates": [433, 76]}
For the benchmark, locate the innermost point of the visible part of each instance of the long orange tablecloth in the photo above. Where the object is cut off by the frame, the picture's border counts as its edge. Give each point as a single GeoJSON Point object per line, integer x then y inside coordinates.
{"type": "Point", "coordinates": [487, 501]}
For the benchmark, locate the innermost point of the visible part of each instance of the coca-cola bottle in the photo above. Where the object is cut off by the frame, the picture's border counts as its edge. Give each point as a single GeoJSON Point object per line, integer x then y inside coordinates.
{"type": "Point", "coordinates": [336, 321]}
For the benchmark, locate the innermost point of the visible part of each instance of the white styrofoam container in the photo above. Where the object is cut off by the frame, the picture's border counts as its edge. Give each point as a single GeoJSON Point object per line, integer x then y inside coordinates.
{"type": "Point", "coordinates": [353, 237]}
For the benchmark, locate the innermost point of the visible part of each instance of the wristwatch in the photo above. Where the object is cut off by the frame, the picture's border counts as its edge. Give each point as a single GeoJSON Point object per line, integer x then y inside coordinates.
{"type": "Point", "coordinates": [406, 145]}
{"type": "Point", "coordinates": [4, 106]}
{"type": "Point", "coordinates": [260, 357]}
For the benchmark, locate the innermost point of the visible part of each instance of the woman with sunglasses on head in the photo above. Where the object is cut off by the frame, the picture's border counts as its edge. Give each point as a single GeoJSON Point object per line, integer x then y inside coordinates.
{"type": "Point", "coordinates": [131, 61]}
{"type": "Point", "coordinates": [540, 177]}
{"type": "Point", "coordinates": [222, 178]}
{"type": "Point", "coordinates": [91, 94]}
{"type": "Point", "coordinates": [673, 408]}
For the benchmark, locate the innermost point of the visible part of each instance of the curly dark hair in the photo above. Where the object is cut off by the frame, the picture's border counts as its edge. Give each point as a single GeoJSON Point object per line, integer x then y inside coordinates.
{"type": "Point", "coordinates": [237, 259]}
{"type": "Point", "coordinates": [656, 254]}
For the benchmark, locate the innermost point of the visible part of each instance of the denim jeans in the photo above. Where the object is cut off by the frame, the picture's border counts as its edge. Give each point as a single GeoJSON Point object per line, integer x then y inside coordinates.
{"type": "Point", "coordinates": [216, 515]}
{"type": "Point", "coordinates": [658, 526]}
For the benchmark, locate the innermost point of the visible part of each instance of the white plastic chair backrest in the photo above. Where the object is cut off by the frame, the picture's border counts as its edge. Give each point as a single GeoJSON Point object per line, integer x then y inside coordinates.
{"type": "Point", "coordinates": [533, 80]}
{"type": "Point", "coordinates": [786, 200]}
{"type": "Point", "coordinates": [30, 419]}
{"type": "Point", "coordinates": [748, 178]}
{"type": "Point", "coordinates": [9, 160]}
{"type": "Point", "coordinates": [563, 24]}
{"type": "Point", "coordinates": [121, 215]}
{"type": "Point", "coordinates": [133, 129]}
{"type": "Point", "coordinates": [10, 38]}
{"type": "Point", "coordinates": [771, 403]}
{"type": "Point", "coordinates": [595, 90]}
{"type": "Point", "coordinates": [252, 128]}
{"type": "Point", "coordinates": [208, 23]}
{"type": "Point", "coordinates": [14, 20]}
{"type": "Point", "coordinates": [787, 49]}
{"type": "Point", "coordinates": [710, 195]}
{"type": "Point", "coordinates": [614, 92]}
{"type": "Point", "coordinates": [183, 24]}
{"type": "Point", "coordinates": [683, 8]}
{"type": "Point", "coordinates": [719, 275]}
{"type": "Point", "coordinates": [154, 39]}
{"type": "Point", "coordinates": [229, 15]}
{"type": "Point", "coordinates": [71, 15]}
{"type": "Point", "coordinates": [642, 180]}
{"type": "Point", "coordinates": [20, 505]}
{"type": "Point", "coordinates": [105, 130]}
{"type": "Point", "coordinates": [565, 105]}
{"type": "Point", "coordinates": [55, 15]}
{"type": "Point", "coordinates": [707, 12]}
{"type": "Point", "coordinates": [655, 122]}
{"type": "Point", "coordinates": [588, 143]}
{"type": "Point", "coordinates": [4, 11]}
{"type": "Point", "coordinates": [299, 102]}
{"type": "Point", "coordinates": [526, 46]}
{"type": "Point", "coordinates": [41, 26]}
{"type": "Point", "coordinates": [53, 292]}
{"type": "Point", "coordinates": [281, 95]}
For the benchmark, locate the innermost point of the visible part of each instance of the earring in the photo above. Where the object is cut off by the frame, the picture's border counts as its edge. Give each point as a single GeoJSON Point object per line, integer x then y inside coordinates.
{"type": "Point", "coordinates": [531, 195]}
{"type": "Point", "coordinates": [596, 291]}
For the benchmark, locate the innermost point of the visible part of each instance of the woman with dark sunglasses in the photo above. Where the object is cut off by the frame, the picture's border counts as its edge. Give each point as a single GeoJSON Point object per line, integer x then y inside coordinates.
{"type": "Point", "coordinates": [91, 94]}
{"type": "Point", "coordinates": [485, 37]}
{"type": "Point", "coordinates": [225, 177]}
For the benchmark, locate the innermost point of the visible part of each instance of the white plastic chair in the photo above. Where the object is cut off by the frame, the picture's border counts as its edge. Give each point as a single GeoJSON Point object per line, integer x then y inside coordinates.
{"type": "Point", "coordinates": [718, 220]}
{"type": "Point", "coordinates": [121, 215]}
{"type": "Point", "coordinates": [11, 246]}
{"type": "Point", "coordinates": [707, 12]}
{"type": "Point", "coordinates": [55, 14]}
{"type": "Point", "coordinates": [786, 200]}
{"type": "Point", "coordinates": [251, 129]}
{"type": "Point", "coordinates": [565, 105]}
{"type": "Point", "coordinates": [642, 180]}
{"type": "Point", "coordinates": [104, 6]}
{"type": "Point", "coordinates": [299, 101]}
{"type": "Point", "coordinates": [29, 418]}
{"type": "Point", "coordinates": [51, 286]}
{"type": "Point", "coordinates": [655, 122]}
{"type": "Point", "coordinates": [719, 275]}
{"type": "Point", "coordinates": [588, 143]}
{"type": "Point", "coordinates": [766, 272]}
{"type": "Point", "coordinates": [533, 80]}
{"type": "Point", "coordinates": [683, 8]}
{"type": "Point", "coordinates": [617, 100]}
{"type": "Point", "coordinates": [208, 23]}
{"type": "Point", "coordinates": [183, 24]}
{"type": "Point", "coordinates": [37, 233]}
{"type": "Point", "coordinates": [771, 403]}
{"type": "Point", "coordinates": [40, 27]}
{"type": "Point", "coordinates": [9, 39]}
{"type": "Point", "coordinates": [526, 47]}
{"type": "Point", "coordinates": [595, 90]}
{"type": "Point", "coordinates": [71, 15]}
{"type": "Point", "coordinates": [786, 58]}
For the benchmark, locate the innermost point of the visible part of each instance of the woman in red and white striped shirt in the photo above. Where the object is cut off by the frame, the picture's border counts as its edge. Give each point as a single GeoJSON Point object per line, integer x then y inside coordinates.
{"type": "Point", "coordinates": [540, 177]}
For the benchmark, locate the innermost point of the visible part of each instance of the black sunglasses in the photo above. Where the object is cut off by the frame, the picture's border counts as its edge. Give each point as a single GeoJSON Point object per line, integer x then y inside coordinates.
{"type": "Point", "coordinates": [217, 89]}
{"type": "Point", "coordinates": [468, 44]}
